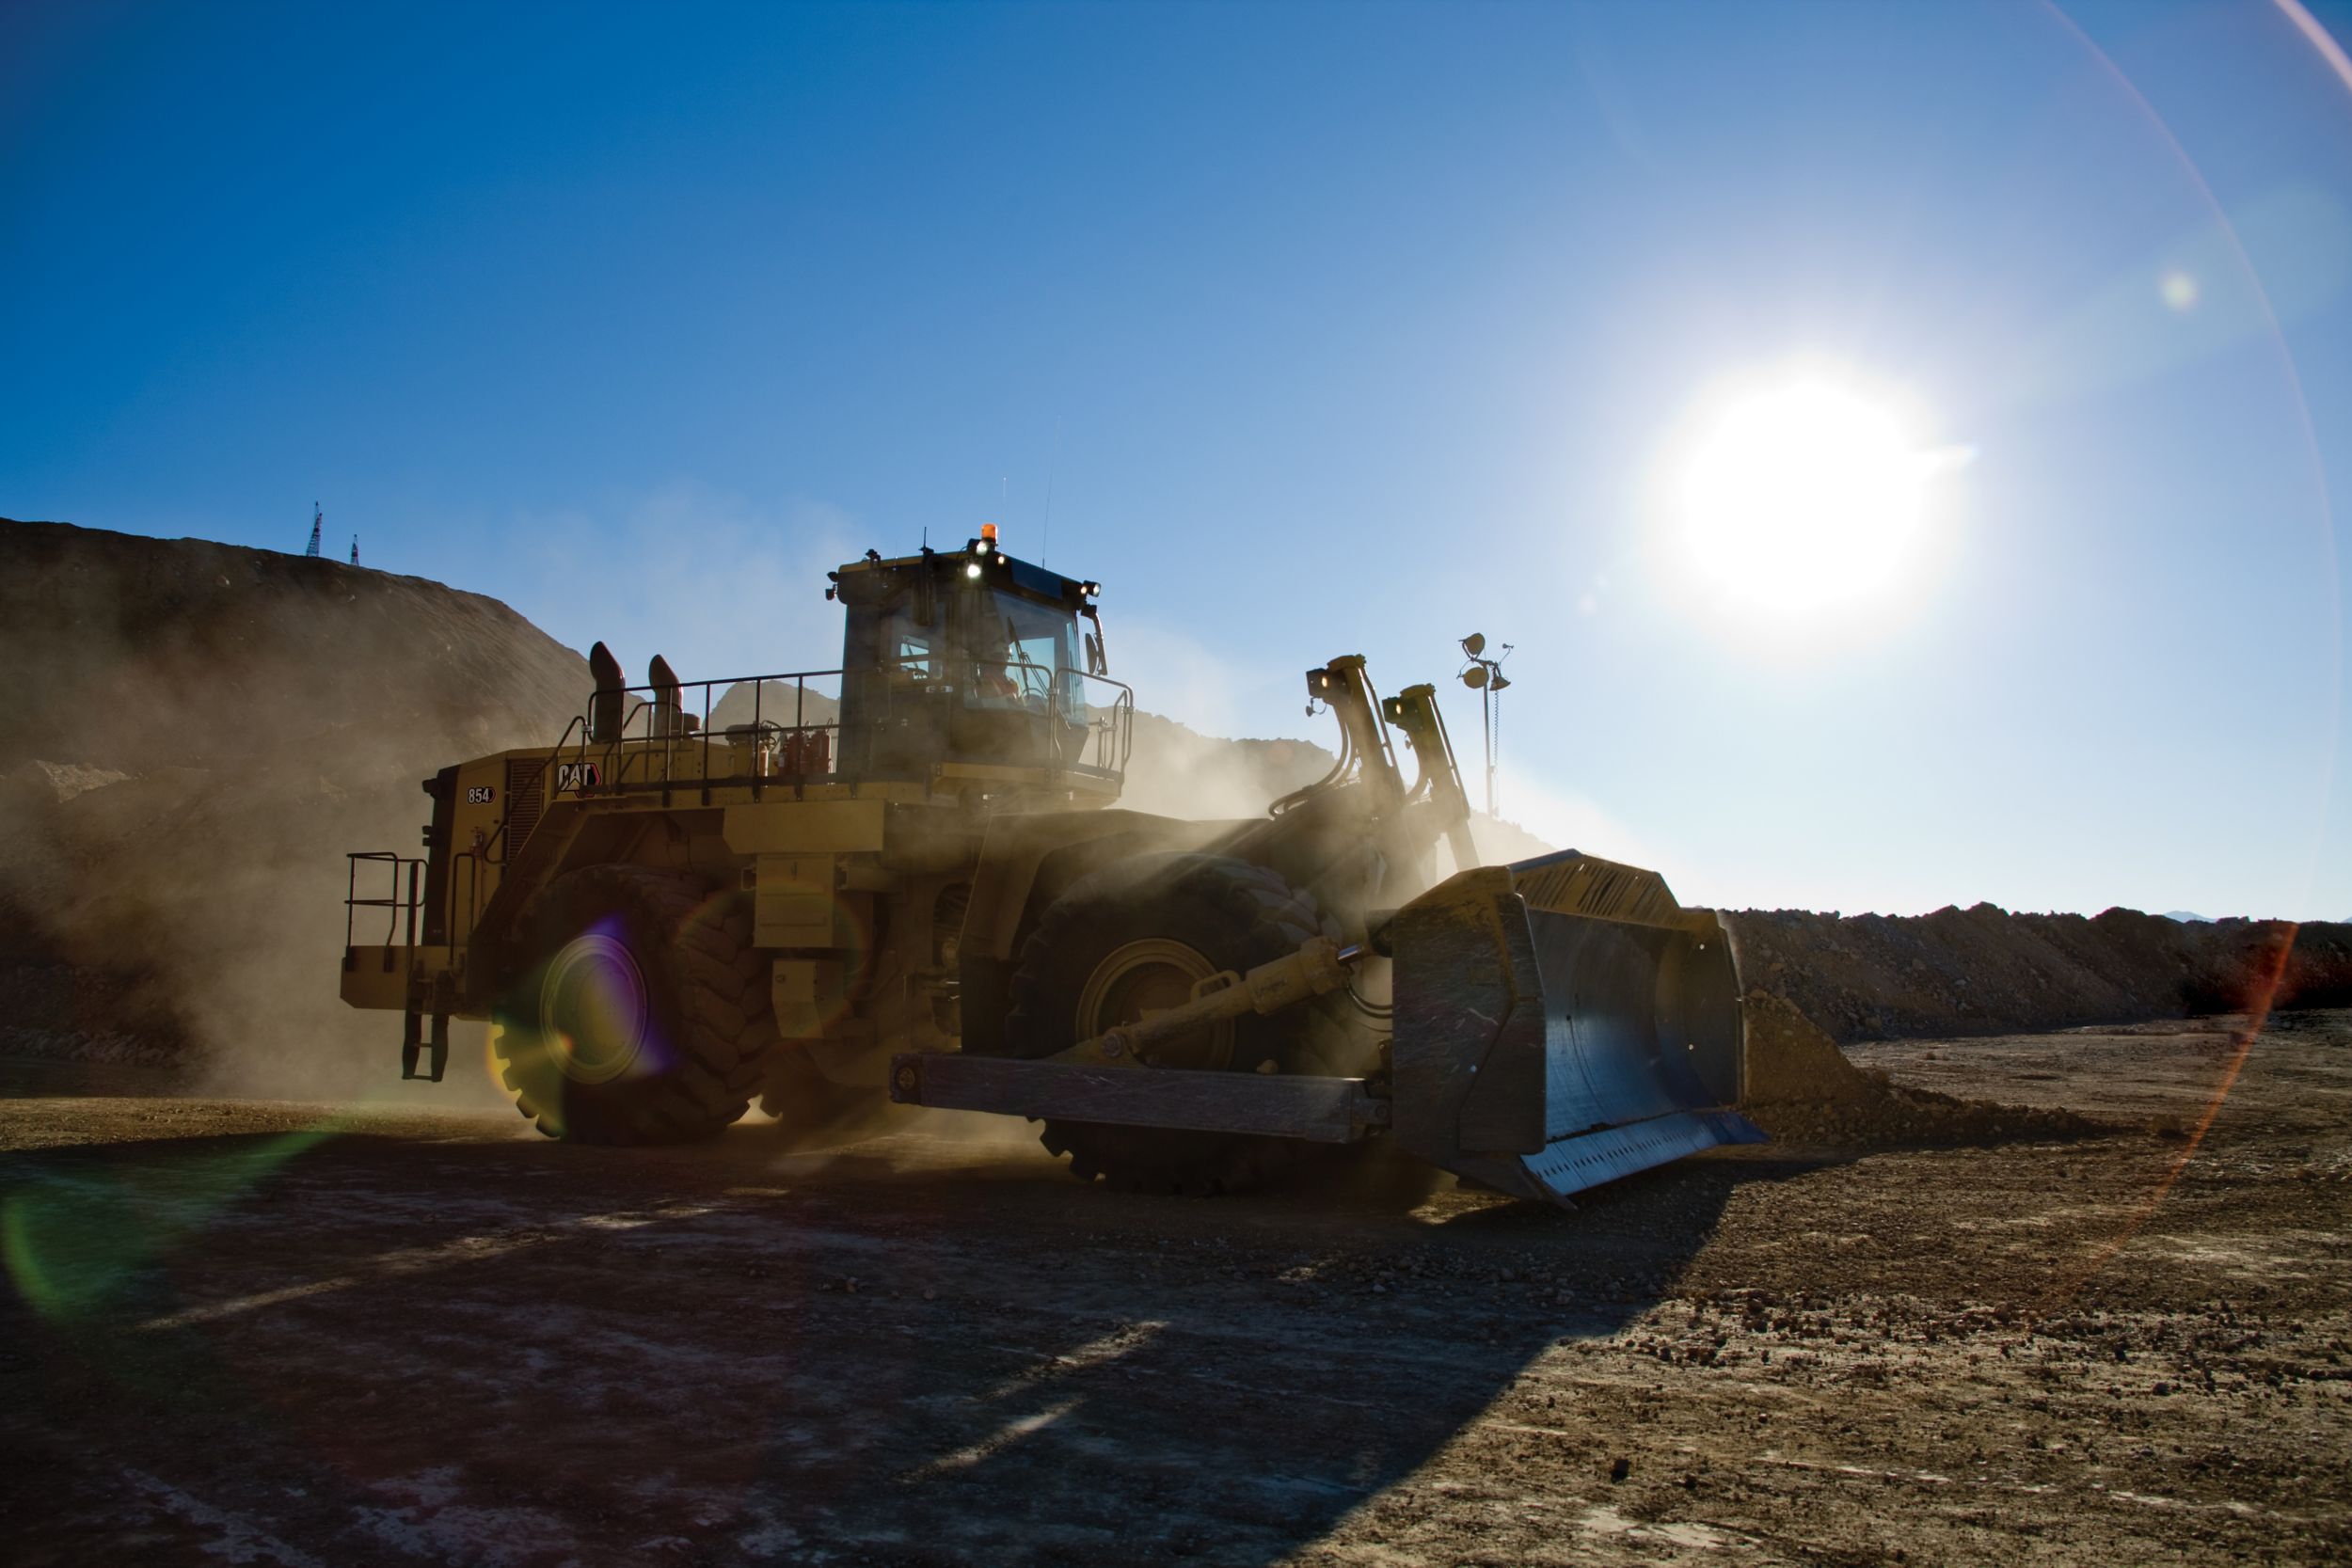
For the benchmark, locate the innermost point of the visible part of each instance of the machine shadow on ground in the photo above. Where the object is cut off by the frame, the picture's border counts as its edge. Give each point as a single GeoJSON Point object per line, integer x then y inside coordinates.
{"type": "Point", "coordinates": [520, 1352]}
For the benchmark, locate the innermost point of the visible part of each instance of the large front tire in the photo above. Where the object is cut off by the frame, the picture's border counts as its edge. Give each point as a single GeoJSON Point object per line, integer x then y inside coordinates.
{"type": "Point", "coordinates": [1137, 938]}
{"type": "Point", "coordinates": [641, 1013]}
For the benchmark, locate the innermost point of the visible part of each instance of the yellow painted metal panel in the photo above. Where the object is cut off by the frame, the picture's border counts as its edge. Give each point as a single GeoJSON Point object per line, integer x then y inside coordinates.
{"type": "Point", "coordinates": [792, 903]}
{"type": "Point", "coordinates": [805, 827]}
{"type": "Point", "coordinates": [806, 994]}
{"type": "Point", "coordinates": [367, 983]}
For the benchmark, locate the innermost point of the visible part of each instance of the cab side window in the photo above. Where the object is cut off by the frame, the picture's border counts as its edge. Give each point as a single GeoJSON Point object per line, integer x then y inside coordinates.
{"type": "Point", "coordinates": [908, 651]}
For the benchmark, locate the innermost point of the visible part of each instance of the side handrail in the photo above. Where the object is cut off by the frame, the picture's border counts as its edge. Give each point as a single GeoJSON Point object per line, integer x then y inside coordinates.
{"type": "Point", "coordinates": [1110, 728]}
{"type": "Point", "coordinates": [652, 749]}
{"type": "Point", "coordinates": [395, 903]}
{"type": "Point", "coordinates": [667, 742]}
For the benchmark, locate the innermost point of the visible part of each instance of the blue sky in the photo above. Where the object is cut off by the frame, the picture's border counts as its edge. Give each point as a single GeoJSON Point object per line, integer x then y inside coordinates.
{"type": "Point", "coordinates": [1325, 328]}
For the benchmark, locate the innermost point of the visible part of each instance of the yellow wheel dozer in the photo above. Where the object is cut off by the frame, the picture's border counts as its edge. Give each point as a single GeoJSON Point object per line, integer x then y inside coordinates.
{"type": "Point", "coordinates": [911, 877]}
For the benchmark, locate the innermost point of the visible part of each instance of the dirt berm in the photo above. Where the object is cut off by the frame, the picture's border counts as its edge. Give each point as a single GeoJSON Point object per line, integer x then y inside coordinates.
{"type": "Point", "coordinates": [1985, 971]}
{"type": "Point", "coordinates": [1802, 1089]}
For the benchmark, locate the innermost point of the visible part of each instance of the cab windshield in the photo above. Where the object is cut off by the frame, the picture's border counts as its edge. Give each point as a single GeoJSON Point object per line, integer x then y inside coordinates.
{"type": "Point", "coordinates": [1025, 655]}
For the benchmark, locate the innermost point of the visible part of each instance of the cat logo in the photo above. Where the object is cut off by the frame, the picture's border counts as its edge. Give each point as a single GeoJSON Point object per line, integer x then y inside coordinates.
{"type": "Point", "coordinates": [574, 778]}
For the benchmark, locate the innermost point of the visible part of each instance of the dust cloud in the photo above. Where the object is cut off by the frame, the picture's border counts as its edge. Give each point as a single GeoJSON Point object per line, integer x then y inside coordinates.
{"type": "Point", "coordinates": [1174, 770]}
{"type": "Point", "coordinates": [1177, 771]}
{"type": "Point", "coordinates": [203, 731]}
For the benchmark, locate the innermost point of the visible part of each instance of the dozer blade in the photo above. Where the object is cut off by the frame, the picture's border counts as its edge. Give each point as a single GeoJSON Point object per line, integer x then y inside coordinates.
{"type": "Point", "coordinates": [1562, 1022]}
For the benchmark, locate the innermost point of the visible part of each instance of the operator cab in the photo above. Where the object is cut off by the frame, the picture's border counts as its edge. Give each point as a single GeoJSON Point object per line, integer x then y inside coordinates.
{"type": "Point", "coordinates": [969, 660]}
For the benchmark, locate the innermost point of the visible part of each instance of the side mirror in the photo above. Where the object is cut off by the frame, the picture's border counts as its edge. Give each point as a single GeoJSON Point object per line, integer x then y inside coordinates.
{"type": "Point", "coordinates": [1098, 659]}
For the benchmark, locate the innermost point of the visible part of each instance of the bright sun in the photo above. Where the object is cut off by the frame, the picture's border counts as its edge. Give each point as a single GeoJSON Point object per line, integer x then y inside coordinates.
{"type": "Point", "coordinates": [1802, 493]}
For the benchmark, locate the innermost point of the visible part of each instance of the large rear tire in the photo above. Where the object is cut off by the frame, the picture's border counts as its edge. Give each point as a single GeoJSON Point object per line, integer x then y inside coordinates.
{"type": "Point", "coordinates": [642, 1014]}
{"type": "Point", "coordinates": [1137, 937]}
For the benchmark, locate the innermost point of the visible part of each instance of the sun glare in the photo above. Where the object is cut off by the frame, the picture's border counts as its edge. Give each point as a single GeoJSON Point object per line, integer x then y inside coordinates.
{"type": "Point", "coordinates": [1801, 493]}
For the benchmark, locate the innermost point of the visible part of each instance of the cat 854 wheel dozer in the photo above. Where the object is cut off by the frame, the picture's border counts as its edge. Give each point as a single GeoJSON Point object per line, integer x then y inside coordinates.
{"type": "Point", "coordinates": [909, 880]}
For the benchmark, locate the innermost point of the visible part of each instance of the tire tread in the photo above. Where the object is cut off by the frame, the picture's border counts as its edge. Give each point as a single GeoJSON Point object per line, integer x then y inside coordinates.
{"type": "Point", "coordinates": [716, 984]}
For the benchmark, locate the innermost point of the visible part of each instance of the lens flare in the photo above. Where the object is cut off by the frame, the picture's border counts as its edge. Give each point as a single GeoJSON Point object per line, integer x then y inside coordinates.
{"type": "Point", "coordinates": [593, 1007]}
{"type": "Point", "coordinates": [75, 1245]}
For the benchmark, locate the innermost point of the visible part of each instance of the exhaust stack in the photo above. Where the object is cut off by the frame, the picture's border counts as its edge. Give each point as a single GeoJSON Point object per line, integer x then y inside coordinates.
{"type": "Point", "coordinates": [605, 700]}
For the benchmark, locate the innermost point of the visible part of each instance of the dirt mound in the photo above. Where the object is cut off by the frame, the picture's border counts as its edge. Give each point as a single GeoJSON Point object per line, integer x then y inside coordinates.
{"type": "Point", "coordinates": [125, 650]}
{"type": "Point", "coordinates": [202, 731]}
{"type": "Point", "coordinates": [1986, 971]}
{"type": "Point", "coordinates": [1802, 1089]}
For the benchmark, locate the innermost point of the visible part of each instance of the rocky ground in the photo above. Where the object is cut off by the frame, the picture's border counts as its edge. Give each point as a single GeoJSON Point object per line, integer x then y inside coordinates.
{"type": "Point", "coordinates": [2110, 1326]}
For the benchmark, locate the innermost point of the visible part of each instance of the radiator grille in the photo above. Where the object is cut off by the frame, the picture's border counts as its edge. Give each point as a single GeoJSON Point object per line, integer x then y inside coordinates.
{"type": "Point", "coordinates": [524, 800]}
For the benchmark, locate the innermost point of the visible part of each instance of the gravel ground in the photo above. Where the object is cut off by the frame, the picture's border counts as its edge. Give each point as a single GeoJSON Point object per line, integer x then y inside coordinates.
{"type": "Point", "coordinates": [248, 1332]}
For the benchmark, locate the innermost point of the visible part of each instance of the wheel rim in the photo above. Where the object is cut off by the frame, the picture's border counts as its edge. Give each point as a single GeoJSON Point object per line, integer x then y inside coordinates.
{"type": "Point", "coordinates": [593, 1009]}
{"type": "Point", "coordinates": [1152, 977]}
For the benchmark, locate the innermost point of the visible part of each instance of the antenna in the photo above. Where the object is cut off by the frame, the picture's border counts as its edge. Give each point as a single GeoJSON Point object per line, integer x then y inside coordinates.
{"type": "Point", "coordinates": [1045, 534]}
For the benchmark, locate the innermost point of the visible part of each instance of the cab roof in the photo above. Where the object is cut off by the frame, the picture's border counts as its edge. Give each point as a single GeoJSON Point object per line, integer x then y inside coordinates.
{"type": "Point", "coordinates": [998, 570]}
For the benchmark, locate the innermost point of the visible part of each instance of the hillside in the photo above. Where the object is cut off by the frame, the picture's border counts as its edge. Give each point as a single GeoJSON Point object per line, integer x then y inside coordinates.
{"type": "Point", "coordinates": [203, 731]}
{"type": "Point", "coordinates": [121, 647]}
